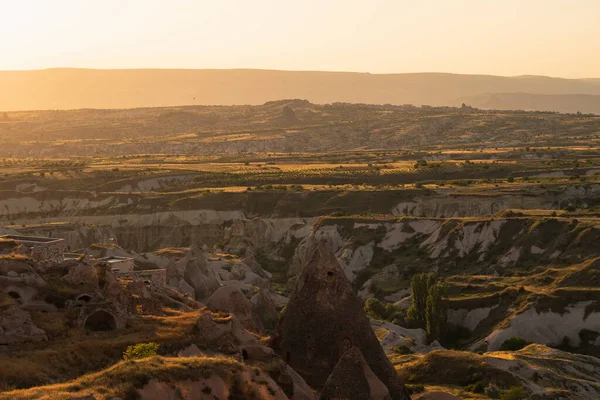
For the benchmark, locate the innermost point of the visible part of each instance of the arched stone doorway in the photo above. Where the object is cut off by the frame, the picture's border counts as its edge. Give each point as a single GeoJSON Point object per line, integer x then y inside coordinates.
{"type": "Point", "coordinates": [100, 321]}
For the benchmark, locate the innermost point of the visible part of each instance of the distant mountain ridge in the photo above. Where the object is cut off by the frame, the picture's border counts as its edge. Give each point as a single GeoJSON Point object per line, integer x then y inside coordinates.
{"type": "Point", "coordinates": [90, 88]}
{"type": "Point", "coordinates": [566, 103]}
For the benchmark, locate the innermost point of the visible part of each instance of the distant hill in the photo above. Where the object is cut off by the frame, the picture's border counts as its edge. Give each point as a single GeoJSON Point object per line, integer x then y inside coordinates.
{"type": "Point", "coordinates": [88, 88]}
{"type": "Point", "coordinates": [566, 103]}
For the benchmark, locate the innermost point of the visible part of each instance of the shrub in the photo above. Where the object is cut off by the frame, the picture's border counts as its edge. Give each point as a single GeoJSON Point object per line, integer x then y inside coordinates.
{"type": "Point", "coordinates": [382, 311]}
{"type": "Point", "coordinates": [514, 343]}
{"type": "Point", "coordinates": [141, 350]}
{"type": "Point", "coordinates": [414, 389]}
{"type": "Point", "coordinates": [515, 393]}
{"type": "Point", "coordinates": [492, 391]}
{"type": "Point", "coordinates": [477, 387]}
{"type": "Point", "coordinates": [403, 350]}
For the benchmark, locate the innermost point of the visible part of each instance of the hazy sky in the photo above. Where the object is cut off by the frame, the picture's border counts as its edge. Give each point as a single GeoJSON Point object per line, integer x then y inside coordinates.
{"type": "Point", "coordinates": [503, 37]}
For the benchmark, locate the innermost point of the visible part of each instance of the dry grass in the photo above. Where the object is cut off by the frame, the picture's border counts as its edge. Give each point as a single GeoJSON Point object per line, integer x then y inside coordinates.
{"type": "Point", "coordinates": [124, 378]}
{"type": "Point", "coordinates": [67, 358]}
{"type": "Point", "coordinates": [449, 367]}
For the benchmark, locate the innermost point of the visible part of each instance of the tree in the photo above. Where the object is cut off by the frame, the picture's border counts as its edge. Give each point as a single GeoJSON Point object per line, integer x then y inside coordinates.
{"type": "Point", "coordinates": [418, 286]}
{"type": "Point", "coordinates": [429, 307]}
{"type": "Point", "coordinates": [437, 311]}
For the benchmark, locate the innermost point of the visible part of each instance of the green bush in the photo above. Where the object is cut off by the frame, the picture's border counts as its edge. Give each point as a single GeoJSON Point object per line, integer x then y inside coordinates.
{"type": "Point", "coordinates": [477, 387]}
{"type": "Point", "coordinates": [514, 343]}
{"type": "Point", "coordinates": [382, 311]}
{"type": "Point", "coordinates": [403, 350]}
{"type": "Point", "coordinates": [141, 350]}
{"type": "Point", "coordinates": [515, 393]}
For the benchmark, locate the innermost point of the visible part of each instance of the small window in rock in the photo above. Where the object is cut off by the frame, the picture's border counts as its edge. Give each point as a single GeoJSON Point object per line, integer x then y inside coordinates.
{"type": "Point", "coordinates": [329, 273]}
{"type": "Point", "coordinates": [14, 295]}
{"type": "Point", "coordinates": [84, 297]}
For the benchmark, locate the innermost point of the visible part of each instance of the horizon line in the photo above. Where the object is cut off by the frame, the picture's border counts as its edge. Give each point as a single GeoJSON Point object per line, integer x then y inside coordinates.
{"type": "Point", "coordinates": [293, 71]}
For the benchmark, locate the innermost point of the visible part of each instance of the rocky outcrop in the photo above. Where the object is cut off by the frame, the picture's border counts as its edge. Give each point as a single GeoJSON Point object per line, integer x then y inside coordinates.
{"type": "Point", "coordinates": [306, 248]}
{"type": "Point", "coordinates": [16, 327]}
{"type": "Point", "coordinates": [265, 308]}
{"type": "Point", "coordinates": [188, 269]}
{"type": "Point", "coordinates": [352, 378]}
{"type": "Point", "coordinates": [82, 274]}
{"type": "Point", "coordinates": [165, 378]}
{"type": "Point", "coordinates": [393, 336]}
{"type": "Point", "coordinates": [232, 300]}
{"type": "Point", "coordinates": [323, 320]}
{"type": "Point", "coordinates": [547, 326]}
{"type": "Point", "coordinates": [215, 327]}
{"type": "Point", "coordinates": [551, 373]}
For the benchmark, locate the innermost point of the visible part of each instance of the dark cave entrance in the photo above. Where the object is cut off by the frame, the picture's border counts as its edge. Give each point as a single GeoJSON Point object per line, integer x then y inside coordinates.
{"type": "Point", "coordinates": [84, 297]}
{"type": "Point", "coordinates": [14, 295]}
{"type": "Point", "coordinates": [101, 321]}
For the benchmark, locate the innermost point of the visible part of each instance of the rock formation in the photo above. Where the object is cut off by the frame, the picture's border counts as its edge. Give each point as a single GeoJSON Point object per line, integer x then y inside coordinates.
{"type": "Point", "coordinates": [352, 378]}
{"type": "Point", "coordinates": [323, 320]}
{"type": "Point", "coordinates": [16, 327]}
{"type": "Point", "coordinates": [191, 271]}
{"type": "Point", "coordinates": [265, 309]}
{"type": "Point", "coordinates": [82, 274]}
{"type": "Point", "coordinates": [232, 300]}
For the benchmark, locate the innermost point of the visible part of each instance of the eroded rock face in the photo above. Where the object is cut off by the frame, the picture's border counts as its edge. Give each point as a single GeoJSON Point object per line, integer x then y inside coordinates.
{"type": "Point", "coordinates": [82, 274]}
{"type": "Point", "coordinates": [214, 328]}
{"type": "Point", "coordinates": [304, 251]}
{"type": "Point", "coordinates": [16, 327]}
{"type": "Point", "coordinates": [323, 320]}
{"type": "Point", "coordinates": [265, 309]}
{"type": "Point", "coordinates": [243, 384]}
{"type": "Point", "coordinates": [352, 378]}
{"type": "Point", "coordinates": [548, 327]}
{"type": "Point", "coordinates": [232, 300]}
{"type": "Point", "coordinates": [191, 271]}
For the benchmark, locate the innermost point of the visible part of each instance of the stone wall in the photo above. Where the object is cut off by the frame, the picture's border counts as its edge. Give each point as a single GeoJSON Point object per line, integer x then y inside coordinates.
{"type": "Point", "coordinates": [156, 277]}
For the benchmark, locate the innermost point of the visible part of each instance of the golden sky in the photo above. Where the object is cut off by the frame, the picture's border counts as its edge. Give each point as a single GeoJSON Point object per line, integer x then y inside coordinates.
{"type": "Point", "coordinates": [502, 37]}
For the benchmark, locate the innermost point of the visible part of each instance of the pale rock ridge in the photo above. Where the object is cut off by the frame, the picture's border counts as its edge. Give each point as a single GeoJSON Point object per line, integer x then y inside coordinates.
{"type": "Point", "coordinates": [547, 327]}
{"type": "Point", "coordinates": [470, 319]}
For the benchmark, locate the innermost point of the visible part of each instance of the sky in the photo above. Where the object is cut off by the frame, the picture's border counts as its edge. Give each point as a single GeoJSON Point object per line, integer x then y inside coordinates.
{"type": "Point", "coordinates": [500, 37]}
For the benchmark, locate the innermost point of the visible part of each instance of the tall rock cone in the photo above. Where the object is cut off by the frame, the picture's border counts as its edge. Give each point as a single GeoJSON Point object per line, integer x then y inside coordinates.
{"type": "Point", "coordinates": [353, 379]}
{"type": "Point", "coordinates": [323, 320]}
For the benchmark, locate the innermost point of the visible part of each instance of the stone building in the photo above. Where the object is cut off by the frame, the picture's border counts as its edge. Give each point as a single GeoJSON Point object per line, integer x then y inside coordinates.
{"type": "Point", "coordinates": [41, 248]}
{"type": "Point", "coordinates": [119, 265]}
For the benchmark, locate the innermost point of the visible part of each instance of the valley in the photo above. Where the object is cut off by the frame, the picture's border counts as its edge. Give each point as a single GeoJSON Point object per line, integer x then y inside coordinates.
{"type": "Point", "coordinates": [234, 216]}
